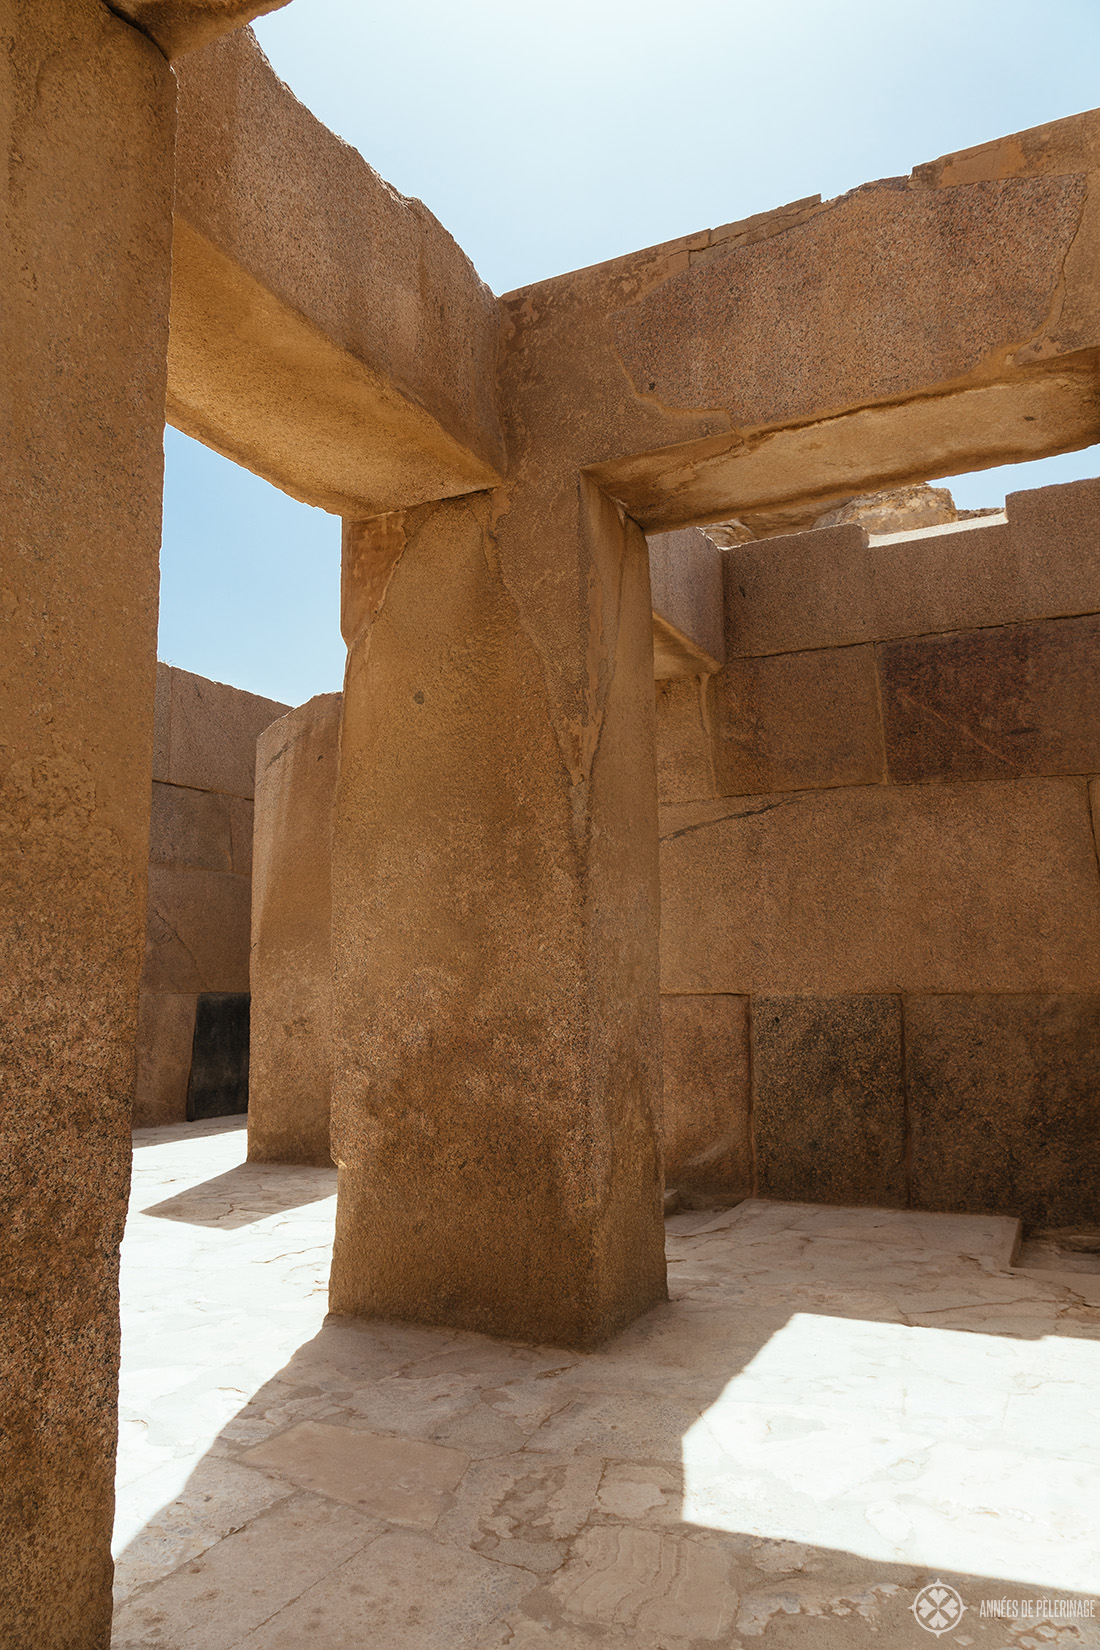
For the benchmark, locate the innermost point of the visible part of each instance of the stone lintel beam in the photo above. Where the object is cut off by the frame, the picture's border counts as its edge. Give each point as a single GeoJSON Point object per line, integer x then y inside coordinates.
{"type": "Point", "coordinates": [179, 26]}
{"type": "Point", "coordinates": [685, 576]}
{"type": "Point", "coordinates": [327, 333]}
{"type": "Point", "coordinates": [916, 326]}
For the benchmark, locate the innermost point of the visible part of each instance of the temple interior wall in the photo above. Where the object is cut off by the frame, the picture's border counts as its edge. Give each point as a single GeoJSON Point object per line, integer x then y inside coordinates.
{"type": "Point", "coordinates": [200, 873]}
{"type": "Point", "coordinates": [880, 905]}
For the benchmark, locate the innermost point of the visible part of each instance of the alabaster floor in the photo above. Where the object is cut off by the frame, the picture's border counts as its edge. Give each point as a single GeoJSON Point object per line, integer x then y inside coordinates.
{"type": "Point", "coordinates": [836, 1408]}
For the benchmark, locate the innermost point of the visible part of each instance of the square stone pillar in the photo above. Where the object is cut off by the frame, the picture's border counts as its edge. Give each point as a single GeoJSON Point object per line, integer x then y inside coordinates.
{"type": "Point", "coordinates": [495, 917]}
{"type": "Point", "coordinates": [290, 1055]}
{"type": "Point", "coordinates": [88, 114]}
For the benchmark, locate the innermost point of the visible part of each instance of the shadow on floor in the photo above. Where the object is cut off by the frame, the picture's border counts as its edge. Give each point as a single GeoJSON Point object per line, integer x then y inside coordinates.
{"type": "Point", "coordinates": [247, 1193]}
{"type": "Point", "coordinates": [834, 1412]}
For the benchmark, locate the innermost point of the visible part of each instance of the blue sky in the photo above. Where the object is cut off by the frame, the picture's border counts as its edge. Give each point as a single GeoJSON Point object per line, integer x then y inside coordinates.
{"type": "Point", "coordinates": [549, 137]}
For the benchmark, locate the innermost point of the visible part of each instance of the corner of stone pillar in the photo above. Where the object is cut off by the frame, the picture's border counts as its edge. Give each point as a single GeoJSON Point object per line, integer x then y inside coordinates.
{"type": "Point", "coordinates": [495, 903]}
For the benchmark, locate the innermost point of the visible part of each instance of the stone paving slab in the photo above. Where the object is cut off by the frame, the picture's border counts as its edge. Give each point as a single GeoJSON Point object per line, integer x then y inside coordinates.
{"type": "Point", "coordinates": [836, 1409]}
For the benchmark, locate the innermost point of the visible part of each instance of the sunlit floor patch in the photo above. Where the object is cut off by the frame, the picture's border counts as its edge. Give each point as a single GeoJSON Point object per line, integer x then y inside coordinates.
{"type": "Point", "coordinates": [915, 1445]}
{"type": "Point", "coordinates": [216, 1298]}
{"type": "Point", "coordinates": [835, 1409]}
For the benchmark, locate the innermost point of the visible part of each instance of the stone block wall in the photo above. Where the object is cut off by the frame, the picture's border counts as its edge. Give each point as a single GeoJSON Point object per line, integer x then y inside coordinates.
{"type": "Point", "coordinates": [880, 897]}
{"type": "Point", "coordinates": [200, 871]}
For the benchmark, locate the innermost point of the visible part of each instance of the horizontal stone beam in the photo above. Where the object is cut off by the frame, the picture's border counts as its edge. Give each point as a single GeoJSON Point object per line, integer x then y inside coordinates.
{"type": "Point", "coordinates": [326, 332]}
{"type": "Point", "coordinates": [917, 326]}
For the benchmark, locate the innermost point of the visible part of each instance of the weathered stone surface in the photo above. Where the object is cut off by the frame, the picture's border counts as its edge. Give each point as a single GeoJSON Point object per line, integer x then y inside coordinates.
{"type": "Point", "coordinates": [291, 969]}
{"type": "Point", "coordinates": [84, 267]}
{"type": "Point", "coordinates": [897, 510]}
{"type": "Point", "coordinates": [929, 888]}
{"type": "Point", "coordinates": [685, 756]}
{"type": "Point", "coordinates": [693, 321]}
{"type": "Point", "coordinates": [705, 1122]}
{"type": "Point", "coordinates": [862, 281]}
{"type": "Point", "coordinates": [831, 588]}
{"type": "Point", "coordinates": [987, 704]}
{"type": "Point", "coordinates": [797, 720]}
{"type": "Point", "coordinates": [197, 930]}
{"type": "Point", "coordinates": [212, 733]}
{"type": "Point", "coordinates": [685, 574]}
{"type": "Point", "coordinates": [192, 828]}
{"type": "Point", "coordinates": [495, 908]}
{"type": "Point", "coordinates": [829, 1099]}
{"type": "Point", "coordinates": [179, 26]}
{"type": "Point", "coordinates": [166, 1026]}
{"type": "Point", "coordinates": [1004, 1097]}
{"type": "Point", "coordinates": [404, 1480]}
{"type": "Point", "coordinates": [327, 332]}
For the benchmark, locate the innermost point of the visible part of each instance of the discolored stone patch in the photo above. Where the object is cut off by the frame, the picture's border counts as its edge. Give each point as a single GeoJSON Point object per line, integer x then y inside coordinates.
{"type": "Point", "coordinates": [1004, 1098]}
{"type": "Point", "coordinates": [828, 1100]}
{"type": "Point", "coordinates": [706, 1133]}
{"type": "Point", "coordinates": [993, 704]}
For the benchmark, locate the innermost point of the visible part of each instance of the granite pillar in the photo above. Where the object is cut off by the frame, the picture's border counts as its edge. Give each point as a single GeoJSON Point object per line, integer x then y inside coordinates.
{"type": "Point", "coordinates": [89, 109]}
{"type": "Point", "coordinates": [290, 1077]}
{"type": "Point", "coordinates": [495, 909]}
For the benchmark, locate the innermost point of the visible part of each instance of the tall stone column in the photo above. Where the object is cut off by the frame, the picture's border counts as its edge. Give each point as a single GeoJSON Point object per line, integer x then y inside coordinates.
{"type": "Point", "coordinates": [88, 112]}
{"type": "Point", "coordinates": [495, 912]}
{"type": "Point", "coordinates": [290, 1044]}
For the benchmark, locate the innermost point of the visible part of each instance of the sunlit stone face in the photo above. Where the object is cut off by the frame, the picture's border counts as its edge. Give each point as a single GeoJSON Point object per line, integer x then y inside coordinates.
{"type": "Point", "coordinates": [960, 1451]}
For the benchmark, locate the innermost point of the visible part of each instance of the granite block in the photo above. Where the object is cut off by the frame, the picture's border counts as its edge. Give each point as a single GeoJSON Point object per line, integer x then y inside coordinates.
{"type": "Point", "coordinates": [797, 721]}
{"type": "Point", "coordinates": [706, 1132]}
{"type": "Point", "coordinates": [829, 1099]}
{"type": "Point", "coordinates": [1004, 1099]}
{"type": "Point", "coordinates": [991, 704]}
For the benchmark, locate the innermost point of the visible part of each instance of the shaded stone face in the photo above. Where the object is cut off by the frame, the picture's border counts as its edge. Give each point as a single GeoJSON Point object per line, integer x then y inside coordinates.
{"type": "Point", "coordinates": [829, 1099]}
{"type": "Point", "coordinates": [991, 704]}
{"type": "Point", "coordinates": [706, 1096]}
{"type": "Point", "coordinates": [797, 720]}
{"type": "Point", "coordinates": [297, 761]}
{"type": "Point", "coordinates": [1005, 1100]}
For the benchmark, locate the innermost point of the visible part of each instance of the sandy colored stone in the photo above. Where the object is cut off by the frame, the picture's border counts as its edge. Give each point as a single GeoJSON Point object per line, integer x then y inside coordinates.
{"type": "Point", "coordinates": [84, 269]}
{"type": "Point", "coordinates": [797, 720]}
{"type": "Point", "coordinates": [705, 1129]}
{"type": "Point", "coordinates": [211, 1603]}
{"type": "Point", "coordinates": [197, 935]}
{"type": "Point", "coordinates": [495, 928]}
{"type": "Point", "coordinates": [685, 574]}
{"type": "Point", "coordinates": [242, 823]}
{"type": "Point", "coordinates": [951, 887]}
{"type": "Point", "coordinates": [400, 1479]}
{"type": "Point", "coordinates": [685, 759]}
{"type": "Point", "coordinates": [832, 587]}
{"type": "Point", "coordinates": [828, 1113]}
{"type": "Point", "coordinates": [988, 704]}
{"type": "Point", "coordinates": [290, 1076]}
{"type": "Point", "coordinates": [326, 331]}
{"type": "Point", "coordinates": [213, 730]}
{"type": "Point", "coordinates": [192, 828]}
{"type": "Point", "coordinates": [1005, 1102]}
{"type": "Point", "coordinates": [166, 1026]}
{"type": "Point", "coordinates": [897, 510]}
{"type": "Point", "coordinates": [179, 26]}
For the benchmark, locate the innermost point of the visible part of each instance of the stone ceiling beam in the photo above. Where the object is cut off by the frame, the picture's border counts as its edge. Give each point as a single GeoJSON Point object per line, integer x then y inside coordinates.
{"type": "Point", "coordinates": [917, 326]}
{"type": "Point", "coordinates": [326, 332]}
